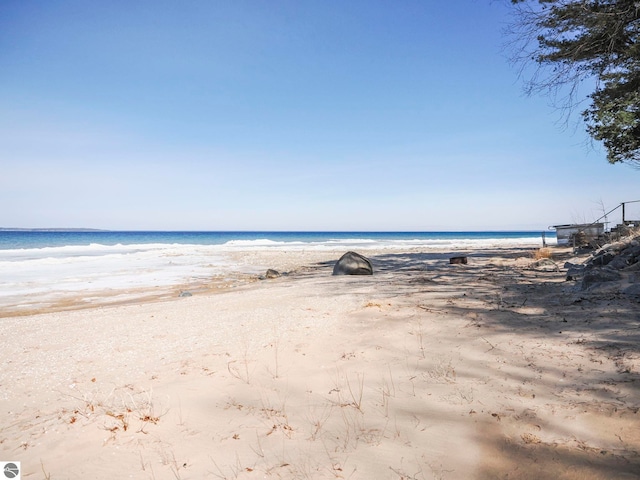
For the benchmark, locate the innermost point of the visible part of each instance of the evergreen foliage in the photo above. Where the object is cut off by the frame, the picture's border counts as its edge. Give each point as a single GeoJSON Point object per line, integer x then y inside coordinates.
{"type": "Point", "coordinates": [580, 39]}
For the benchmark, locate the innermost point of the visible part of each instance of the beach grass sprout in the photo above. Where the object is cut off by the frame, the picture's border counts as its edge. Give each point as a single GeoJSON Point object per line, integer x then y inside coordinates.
{"type": "Point", "coordinates": [543, 253]}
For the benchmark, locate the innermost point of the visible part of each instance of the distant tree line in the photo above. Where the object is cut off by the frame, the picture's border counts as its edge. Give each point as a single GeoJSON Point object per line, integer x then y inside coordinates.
{"type": "Point", "coordinates": [574, 40]}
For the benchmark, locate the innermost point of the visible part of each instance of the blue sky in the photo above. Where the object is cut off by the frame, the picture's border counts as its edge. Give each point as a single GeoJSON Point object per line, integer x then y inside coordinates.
{"type": "Point", "coordinates": [283, 115]}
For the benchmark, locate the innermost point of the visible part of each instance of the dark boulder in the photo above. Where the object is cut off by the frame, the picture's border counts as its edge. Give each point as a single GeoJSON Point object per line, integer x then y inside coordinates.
{"type": "Point", "coordinates": [633, 289]}
{"type": "Point", "coordinates": [603, 258]}
{"type": "Point", "coordinates": [626, 258]}
{"type": "Point", "coordinates": [352, 263]}
{"type": "Point", "coordinates": [599, 275]}
{"type": "Point", "coordinates": [619, 262]}
{"type": "Point", "coordinates": [458, 260]}
{"type": "Point", "coordinates": [574, 271]}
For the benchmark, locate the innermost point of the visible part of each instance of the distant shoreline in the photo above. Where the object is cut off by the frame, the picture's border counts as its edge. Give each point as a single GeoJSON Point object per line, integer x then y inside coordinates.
{"type": "Point", "coordinates": [369, 232]}
{"type": "Point", "coordinates": [10, 229]}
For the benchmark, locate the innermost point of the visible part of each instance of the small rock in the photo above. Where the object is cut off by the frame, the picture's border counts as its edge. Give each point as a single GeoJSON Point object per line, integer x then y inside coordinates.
{"type": "Point", "coordinates": [458, 261]}
{"type": "Point", "coordinates": [545, 264]}
{"type": "Point", "coordinates": [272, 274]}
{"type": "Point", "coordinates": [185, 294]}
{"type": "Point", "coordinates": [574, 272]}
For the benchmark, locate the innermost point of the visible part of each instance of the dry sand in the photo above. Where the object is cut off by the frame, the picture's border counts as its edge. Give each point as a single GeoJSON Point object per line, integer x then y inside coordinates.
{"type": "Point", "coordinates": [424, 370]}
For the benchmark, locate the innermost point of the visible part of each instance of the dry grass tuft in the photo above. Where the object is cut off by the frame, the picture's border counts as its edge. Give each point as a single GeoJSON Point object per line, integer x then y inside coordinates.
{"type": "Point", "coordinates": [542, 253]}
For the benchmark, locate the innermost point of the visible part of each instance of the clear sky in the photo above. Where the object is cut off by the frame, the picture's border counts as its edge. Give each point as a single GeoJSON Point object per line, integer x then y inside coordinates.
{"type": "Point", "coordinates": [283, 115]}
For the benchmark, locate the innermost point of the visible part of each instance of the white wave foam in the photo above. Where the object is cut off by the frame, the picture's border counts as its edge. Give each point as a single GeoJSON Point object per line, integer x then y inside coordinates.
{"type": "Point", "coordinates": [261, 242]}
{"type": "Point", "coordinates": [381, 244]}
{"type": "Point", "coordinates": [29, 274]}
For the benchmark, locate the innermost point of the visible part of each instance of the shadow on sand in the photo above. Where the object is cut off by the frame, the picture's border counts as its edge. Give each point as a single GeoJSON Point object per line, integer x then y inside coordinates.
{"type": "Point", "coordinates": [597, 378]}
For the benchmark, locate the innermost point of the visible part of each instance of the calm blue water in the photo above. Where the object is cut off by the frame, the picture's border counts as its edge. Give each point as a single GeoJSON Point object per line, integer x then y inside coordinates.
{"type": "Point", "coordinates": [41, 239]}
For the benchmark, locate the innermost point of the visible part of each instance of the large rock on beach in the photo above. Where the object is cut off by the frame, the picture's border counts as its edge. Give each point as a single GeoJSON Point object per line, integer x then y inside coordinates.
{"type": "Point", "coordinates": [602, 259]}
{"type": "Point", "coordinates": [633, 289]}
{"type": "Point", "coordinates": [352, 263]}
{"type": "Point", "coordinates": [598, 276]}
{"type": "Point", "coordinates": [613, 267]}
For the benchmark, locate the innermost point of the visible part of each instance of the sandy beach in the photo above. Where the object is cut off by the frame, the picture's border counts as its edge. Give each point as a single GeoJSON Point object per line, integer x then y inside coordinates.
{"type": "Point", "coordinates": [491, 370]}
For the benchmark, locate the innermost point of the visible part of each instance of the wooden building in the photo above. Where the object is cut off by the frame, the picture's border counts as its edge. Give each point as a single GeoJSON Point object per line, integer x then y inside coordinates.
{"type": "Point", "coordinates": [582, 233]}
